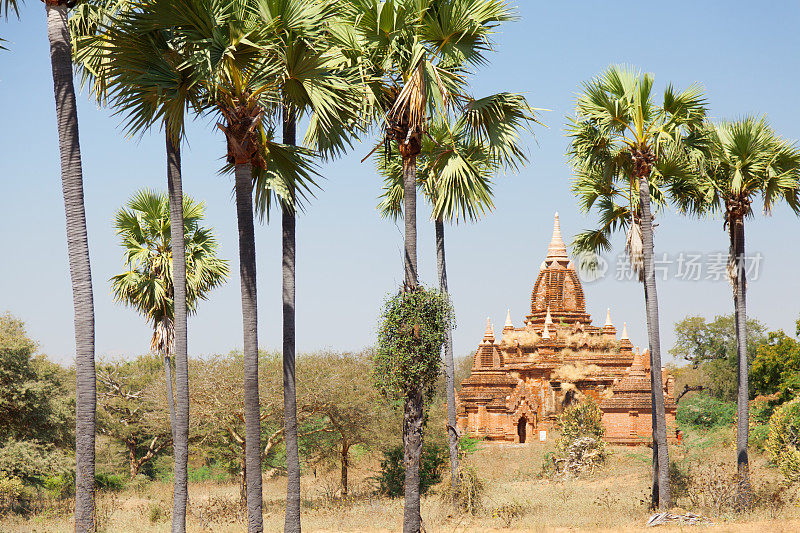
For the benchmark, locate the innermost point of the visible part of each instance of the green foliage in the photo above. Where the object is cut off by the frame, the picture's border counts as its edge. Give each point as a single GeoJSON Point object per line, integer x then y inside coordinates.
{"type": "Point", "coordinates": [391, 479]}
{"type": "Point", "coordinates": [705, 412]}
{"type": "Point", "coordinates": [783, 443]}
{"type": "Point", "coordinates": [776, 367]}
{"type": "Point", "coordinates": [584, 419]}
{"type": "Point", "coordinates": [467, 445]}
{"type": "Point", "coordinates": [59, 485]}
{"type": "Point", "coordinates": [208, 473]}
{"type": "Point", "coordinates": [410, 338]}
{"type": "Point", "coordinates": [580, 447]}
{"type": "Point", "coordinates": [31, 460]}
{"type": "Point", "coordinates": [711, 347]}
{"type": "Point", "coordinates": [110, 482]}
{"type": "Point", "coordinates": [35, 402]}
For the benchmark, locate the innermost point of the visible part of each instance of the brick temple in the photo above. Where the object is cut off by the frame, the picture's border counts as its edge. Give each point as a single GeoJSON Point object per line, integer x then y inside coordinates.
{"type": "Point", "coordinates": [520, 384]}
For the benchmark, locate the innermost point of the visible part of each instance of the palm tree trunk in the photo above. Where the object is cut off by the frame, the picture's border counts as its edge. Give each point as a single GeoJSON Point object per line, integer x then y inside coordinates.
{"type": "Point", "coordinates": [288, 222]}
{"type": "Point", "coordinates": [452, 436]}
{"type": "Point", "coordinates": [743, 396]}
{"type": "Point", "coordinates": [410, 212]}
{"type": "Point", "coordinates": [79, 266]}
{"type": "Point", "coordinates": [247, 273]}
{"type": "Point", "coordinates": [170, 395]}
{"type": "Point", "coordinates": [180, 442]}
{"type": "Point", "coordinates": [413, 407]}
{"type": "Point", "coordinates": [653, 424]}
{"type": "Point", "coordinates": [657, 388]}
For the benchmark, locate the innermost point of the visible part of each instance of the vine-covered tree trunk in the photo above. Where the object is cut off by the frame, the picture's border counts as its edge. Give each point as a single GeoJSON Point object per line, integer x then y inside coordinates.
{"type": "Point", "coordinates": [79, 266]}
{"type": "Point", "coordinates": [413, 408]}
{"type": "Point", "coordinates": [289, 249]}
{"type": "Point", "coordinates": [449, 367]}
{"type": "Point", "coordinates": [651, 305]}
{"type": "Point", "coordinates": [252, 410]}
{"type": "Point", "coordinates": [181, 415]}
{"type": "Point", "coordinates": [743, 396]}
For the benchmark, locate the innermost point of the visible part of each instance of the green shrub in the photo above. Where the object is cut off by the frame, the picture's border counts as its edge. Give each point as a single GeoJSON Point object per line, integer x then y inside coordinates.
{"type": "Point", "coordinates": [705, 412]}
{"type": "Point", "coordinates": [580, 447]}
{"type": "Point", "coordinates": [110, 482]}
{"type": "Point", "coordinates": [467, 445]}
{"type": "Point", "coordinates": [59, 485]}
{"type": "Point", "coordinates": [391, 479]}
{"type": "Point", "coordinates": [758, 436]}
{"type": "Point", "coordinates": [581, 420]}
{"type": "Point", "coordinates": [783, 443]}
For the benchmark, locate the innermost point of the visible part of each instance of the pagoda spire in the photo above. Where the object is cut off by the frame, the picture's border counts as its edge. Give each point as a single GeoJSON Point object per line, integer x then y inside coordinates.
{"type": "Point", "coordinates": [548, 319]}
{"type": "Point", "coordinates": [557, 251]}
{"type": "Point", "coordinates": [488, 337]}
{"type": "Point", "coordinates": [624, 332]}
{"type": "Point", "coordinates": [546, 332]}
{"type": "Point", "coordinates": [608, 323]}
{"type": "Point", "coordinates": [509, 324]}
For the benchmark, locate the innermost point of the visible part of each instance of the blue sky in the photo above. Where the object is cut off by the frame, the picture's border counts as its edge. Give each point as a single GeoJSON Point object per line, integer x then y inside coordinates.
{"type": "Point", "coordinates": [743, 53]}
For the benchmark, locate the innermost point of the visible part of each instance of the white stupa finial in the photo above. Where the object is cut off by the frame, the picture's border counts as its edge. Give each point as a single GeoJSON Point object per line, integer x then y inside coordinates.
{"type": "Point", "coordinates": [557, 251]}
{"type": "Point", "coordinates": [548, 319]}
{"type": "Point", "coordinates": [546, 332]}
{"type": "Point", "coordinates": [608, 318]}
{"type": "Point", "coordinates": [624, 332]}
{"type": "Point", "coordinates": [509, 324]}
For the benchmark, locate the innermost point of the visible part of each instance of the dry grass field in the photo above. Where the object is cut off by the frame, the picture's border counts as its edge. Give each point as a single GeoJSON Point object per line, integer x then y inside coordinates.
{"type": "Point", "coordinates": [515, 498]}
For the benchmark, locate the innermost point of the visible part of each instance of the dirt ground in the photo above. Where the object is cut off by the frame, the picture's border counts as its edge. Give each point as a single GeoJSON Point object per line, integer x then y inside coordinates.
{"type": "Point", "coordinates": [515, 498]}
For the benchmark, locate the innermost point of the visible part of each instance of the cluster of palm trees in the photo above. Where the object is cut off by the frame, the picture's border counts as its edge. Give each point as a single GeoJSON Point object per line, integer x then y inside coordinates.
{"type": "Point", "coordinates": [340, 69]}
{"type": "Point", "coordinates": [632, 156]}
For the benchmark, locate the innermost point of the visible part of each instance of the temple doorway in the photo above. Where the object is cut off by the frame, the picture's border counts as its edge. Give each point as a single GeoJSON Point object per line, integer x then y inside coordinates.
{"type": "Point", "coordinates": [522, 428]}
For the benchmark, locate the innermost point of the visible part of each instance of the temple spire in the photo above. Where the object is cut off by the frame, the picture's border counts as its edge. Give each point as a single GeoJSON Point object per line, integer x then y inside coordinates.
{"type": "Point", "coordinates": [624, 332]}
{"type": "Point", "coordinates": [489, 335]}
{"type": "Point", "coordinates": [509, 324]}
{"type": "Point", "coordinates": [608, 318]}
{"type": "Point", "coordinates": [548, 319]}
{"type": "Point", "coordinates": [557, 251]}
{"type": "Point", "coordinates": [546, 332]}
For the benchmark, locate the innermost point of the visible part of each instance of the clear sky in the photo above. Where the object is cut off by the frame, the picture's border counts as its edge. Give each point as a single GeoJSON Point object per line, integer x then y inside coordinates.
{"type": "Point", "coordinates": [744, 54]}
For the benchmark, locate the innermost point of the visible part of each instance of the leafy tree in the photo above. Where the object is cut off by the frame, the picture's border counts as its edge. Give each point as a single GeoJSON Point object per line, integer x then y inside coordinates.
{"type": "Point", "coordinates": [144, 229]}
{"type": "Point", "coordinates": [77, 250]}
{"type": "Point", "coordinates": [628, 151]}
{"type": "Point", "coordinates": [392, 477]}
{"type": "Point", "coordinates": [776, 367]}
{"type": "Point", "coordinates": [36, 408]}
{"type": "Point", "coordinates": [783, 443]}
{"type": "Point", "coordinates": [746, 160]}
{"type": "Point", "coordinates": [130, 411]}
{"type": "Point", "coordinates": [711, 347]}
{"type": "Point", "coordinates": [334, 389]}
{"type": "Point", "coordinates": [456, 165]}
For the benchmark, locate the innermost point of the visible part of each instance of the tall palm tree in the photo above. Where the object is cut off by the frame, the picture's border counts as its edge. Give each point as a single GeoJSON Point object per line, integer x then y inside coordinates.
{"type": "Point", "coordinates": [78, 251]}
{"type": "Point", "coordinates": [229, 42]}
{"type": "Point", "coordinates": [147, 284]}
{"type": "Point", "coordinates": [125, 57]}
{"type": "Point", "coordinates": [415, 55]}
{"type": "Point", "coordinates": [457, 164]}
{"type": "Point", "coordinates": [628, 151]}
{"type": "Point", "coordinates": [315, 79]}
{"type": "Point", "coordinates": [746, 159]}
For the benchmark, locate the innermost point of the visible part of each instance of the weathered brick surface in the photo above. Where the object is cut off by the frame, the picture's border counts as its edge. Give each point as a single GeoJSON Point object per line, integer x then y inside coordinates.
{"type": "Point", "coordinates": [520, 385]}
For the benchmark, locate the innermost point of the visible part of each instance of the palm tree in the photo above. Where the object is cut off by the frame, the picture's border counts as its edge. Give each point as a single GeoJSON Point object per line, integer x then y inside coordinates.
{"type": "Point", "coordinates": [457, 163]}
{"type": "Point", "coordinates": [626, 152]}
{"type": "Point", "coordinates": [124, 56]}
{"type": "Point", "coordinates": [229, 42]}
{"type": "Point", "coordinates": [78, 251]}
{"type": "Point", "coordinates": [147, 285]}
{"type": "Point", "coordinates": [746, 159]}
{"type": "Point", "coordinates": [314, 80]}
{"type": "Point", "coordinates": [415, 56]}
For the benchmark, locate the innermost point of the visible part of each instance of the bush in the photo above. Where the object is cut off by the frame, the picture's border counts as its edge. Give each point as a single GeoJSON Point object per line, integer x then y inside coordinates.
{"type": "Point", "coordinates": [783, 443]}
{"type": "Point", "coordinates": [467, 445]}
{"type": "Point", "coordinates": [60, 485]}
{"type": "Point", "coordinates": [580, 447]}
{"type": "Point", "coordinates": [470, 489]}
{"type": "Point", "coordinates": [391, 480]}
{"type": "Point", "coordinates": [705, 412]}
{"type": "Point", "coordinates": [110, 482]}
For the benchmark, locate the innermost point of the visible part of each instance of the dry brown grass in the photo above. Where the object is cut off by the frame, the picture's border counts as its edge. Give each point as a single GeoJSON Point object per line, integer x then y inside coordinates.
{"type": "Point", "coordinates": [515, 498]}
